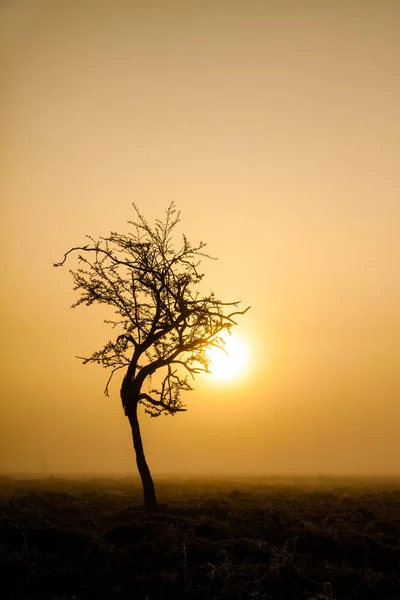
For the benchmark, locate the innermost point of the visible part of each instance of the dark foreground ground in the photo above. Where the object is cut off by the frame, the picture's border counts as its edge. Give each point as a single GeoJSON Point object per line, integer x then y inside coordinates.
{"type": "Point", "coordinates": [267, 538]}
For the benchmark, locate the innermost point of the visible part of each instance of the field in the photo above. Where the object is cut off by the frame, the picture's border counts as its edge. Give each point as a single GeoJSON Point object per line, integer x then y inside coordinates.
{"type": "Point", "coordinates": [270, 538]}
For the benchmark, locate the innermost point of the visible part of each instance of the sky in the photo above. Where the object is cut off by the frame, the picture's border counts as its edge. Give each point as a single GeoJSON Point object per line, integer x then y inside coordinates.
{"type": "Point", "coordinates": [274, 127]}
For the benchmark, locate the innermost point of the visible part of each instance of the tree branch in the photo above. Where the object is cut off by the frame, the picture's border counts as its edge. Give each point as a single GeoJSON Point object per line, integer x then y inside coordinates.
{"type": "Point", "coordinates": [159, 403]}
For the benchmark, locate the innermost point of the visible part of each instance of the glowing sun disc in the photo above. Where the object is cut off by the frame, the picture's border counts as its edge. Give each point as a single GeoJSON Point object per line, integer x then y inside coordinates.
{"type": "Point", "coordinates": [231, 363]}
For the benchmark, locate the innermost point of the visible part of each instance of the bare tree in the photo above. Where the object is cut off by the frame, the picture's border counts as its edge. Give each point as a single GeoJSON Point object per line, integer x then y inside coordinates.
{"type": "Point", "coordinates": [164, 326]}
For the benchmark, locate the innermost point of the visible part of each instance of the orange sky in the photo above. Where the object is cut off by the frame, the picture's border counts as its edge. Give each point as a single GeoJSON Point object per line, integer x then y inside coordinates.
{"type": "Point", "coordinates": [274, 126]}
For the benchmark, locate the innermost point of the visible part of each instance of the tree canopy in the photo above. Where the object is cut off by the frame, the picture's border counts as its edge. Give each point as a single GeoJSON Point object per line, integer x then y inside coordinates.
{"type": "Point", "coordinates": [163, 324]}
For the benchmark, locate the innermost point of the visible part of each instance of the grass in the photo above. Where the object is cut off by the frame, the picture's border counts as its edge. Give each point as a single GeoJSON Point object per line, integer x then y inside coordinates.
{"type": "Point", "coordinates": [272, 539]}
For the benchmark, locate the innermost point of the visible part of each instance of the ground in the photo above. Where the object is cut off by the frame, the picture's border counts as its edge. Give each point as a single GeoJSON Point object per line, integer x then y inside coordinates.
{"type": "Point", "coordinates": [270, 538]}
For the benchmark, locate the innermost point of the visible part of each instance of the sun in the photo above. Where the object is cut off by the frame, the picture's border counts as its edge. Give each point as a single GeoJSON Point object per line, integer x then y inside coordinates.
{"type": "Point", "coordinates": [231, 363]}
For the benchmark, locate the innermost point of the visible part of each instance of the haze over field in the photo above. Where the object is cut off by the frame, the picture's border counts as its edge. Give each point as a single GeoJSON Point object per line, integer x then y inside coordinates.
{"type": "Point", "coordinates": [274, 126]}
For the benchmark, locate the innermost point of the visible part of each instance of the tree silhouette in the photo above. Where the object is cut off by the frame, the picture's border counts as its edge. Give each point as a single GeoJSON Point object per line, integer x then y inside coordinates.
{"type": "Point", "coordinates": [164, 324]}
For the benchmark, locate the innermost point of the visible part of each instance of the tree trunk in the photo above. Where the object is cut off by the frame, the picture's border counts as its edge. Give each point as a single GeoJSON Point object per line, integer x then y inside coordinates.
{"type": "Point", "coordinates": [150, 500]}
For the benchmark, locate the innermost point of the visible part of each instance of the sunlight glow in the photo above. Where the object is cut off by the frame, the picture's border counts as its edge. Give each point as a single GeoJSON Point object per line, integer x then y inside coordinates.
{"type": "Point", "coordinates": [231, 363]}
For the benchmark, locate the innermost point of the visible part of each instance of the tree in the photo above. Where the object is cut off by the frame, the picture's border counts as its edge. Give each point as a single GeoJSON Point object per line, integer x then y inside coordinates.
{"type": "Point", "coordinates": [163, 324]}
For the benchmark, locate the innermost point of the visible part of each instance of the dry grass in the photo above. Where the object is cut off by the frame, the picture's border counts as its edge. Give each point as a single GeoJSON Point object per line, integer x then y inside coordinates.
{"type": "Point", "coordinates": [269, 539]}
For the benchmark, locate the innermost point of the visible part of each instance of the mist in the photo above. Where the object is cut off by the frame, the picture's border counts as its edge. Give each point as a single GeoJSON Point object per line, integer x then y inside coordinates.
{"type": "Point", "coordinates": [275, 129]}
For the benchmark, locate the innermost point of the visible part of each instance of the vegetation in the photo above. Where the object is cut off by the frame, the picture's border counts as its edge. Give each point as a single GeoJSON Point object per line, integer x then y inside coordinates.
{"type": "Point", "coordinates": [274, 539]}
{"type": "Point", "coordinates": [164, 326]}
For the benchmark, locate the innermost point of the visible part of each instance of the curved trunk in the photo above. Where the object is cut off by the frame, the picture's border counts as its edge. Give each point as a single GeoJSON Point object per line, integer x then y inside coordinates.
{"type": "Point", "coordinates": [150, 500]}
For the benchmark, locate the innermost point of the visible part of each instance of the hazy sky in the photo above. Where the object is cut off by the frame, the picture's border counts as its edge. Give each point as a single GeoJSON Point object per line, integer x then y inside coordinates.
{"type": "Point", "coordinates": [275, 127]}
